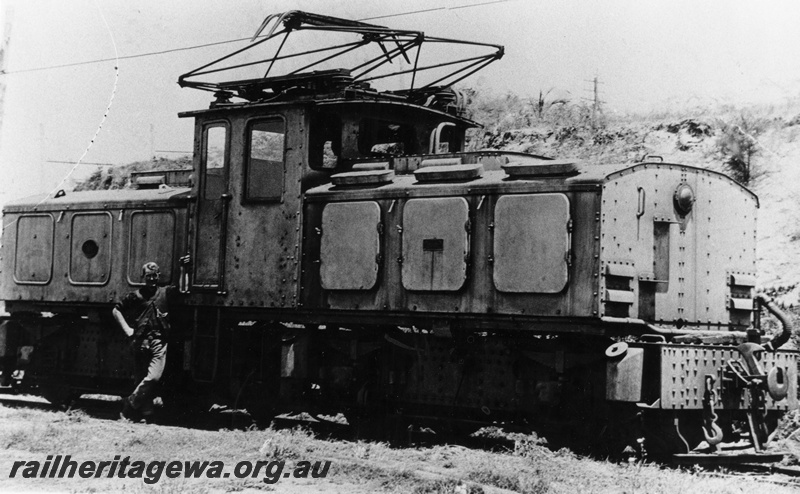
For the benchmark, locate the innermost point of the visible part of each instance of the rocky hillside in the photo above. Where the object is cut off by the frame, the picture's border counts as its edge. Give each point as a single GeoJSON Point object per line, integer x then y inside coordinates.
{"type": "Point", "coordinates": [119, 177]}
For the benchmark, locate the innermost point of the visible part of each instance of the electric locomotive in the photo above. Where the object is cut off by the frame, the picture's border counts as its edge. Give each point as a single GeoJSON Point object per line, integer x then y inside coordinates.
{"type": "Point", "coordinates": [348, 254]}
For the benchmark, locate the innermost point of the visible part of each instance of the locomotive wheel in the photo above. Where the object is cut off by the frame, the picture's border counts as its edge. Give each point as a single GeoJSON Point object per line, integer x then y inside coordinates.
{"type": "Point", "coordinates": [460, 429]}
{"type": "Point", "coordinates": [59, 394]}
{"type": "Point", "coordinates": [367, 427]}
{"type": "Point", "coordinates": [620, 431]}
{"type": "Point", "coordinates": [378, 427]}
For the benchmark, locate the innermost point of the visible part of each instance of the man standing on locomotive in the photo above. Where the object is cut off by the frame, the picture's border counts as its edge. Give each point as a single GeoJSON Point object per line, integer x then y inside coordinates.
{"type": "Point", "coordinates": [147, 309]}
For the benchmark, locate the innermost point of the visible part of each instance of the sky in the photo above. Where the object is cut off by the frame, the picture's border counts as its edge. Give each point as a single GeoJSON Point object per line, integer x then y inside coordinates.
{"type": "Point", "coordinates": [645, 54]}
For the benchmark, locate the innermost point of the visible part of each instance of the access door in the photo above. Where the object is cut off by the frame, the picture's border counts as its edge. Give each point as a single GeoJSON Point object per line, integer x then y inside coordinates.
{"type": "Point", "coordinates": [212, 209]}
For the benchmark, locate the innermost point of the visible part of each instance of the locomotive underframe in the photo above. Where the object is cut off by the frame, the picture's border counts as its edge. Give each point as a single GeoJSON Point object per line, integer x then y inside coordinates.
{"type": "Point", "coordinates": [548, 375]}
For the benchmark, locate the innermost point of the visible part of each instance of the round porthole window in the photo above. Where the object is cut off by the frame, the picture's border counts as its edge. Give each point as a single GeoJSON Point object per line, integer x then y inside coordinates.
{"type": "Point", "coordinates": [90, 249]}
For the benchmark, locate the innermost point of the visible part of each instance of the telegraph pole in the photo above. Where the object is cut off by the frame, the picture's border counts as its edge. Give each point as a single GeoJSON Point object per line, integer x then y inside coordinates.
{"type": "Point", "coordinates": [595, 100]}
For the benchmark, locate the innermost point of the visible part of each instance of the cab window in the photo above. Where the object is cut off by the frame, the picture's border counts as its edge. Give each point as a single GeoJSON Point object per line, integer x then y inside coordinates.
{"type": "Point", "coordinates": [380, 138]}
{"type": "Point", "coordinates": [215, 140]}
{"type": "Point", "coordinates": [265, 152]}
{"type": "Point", "coordinates": [325, 142]}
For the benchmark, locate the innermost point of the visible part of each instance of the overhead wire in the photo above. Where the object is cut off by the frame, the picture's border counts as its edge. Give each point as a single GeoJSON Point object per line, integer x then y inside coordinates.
{"type": "Point", "coordinates": [424, 11]}
{"type": "Point", "coordinates": [117, 58]}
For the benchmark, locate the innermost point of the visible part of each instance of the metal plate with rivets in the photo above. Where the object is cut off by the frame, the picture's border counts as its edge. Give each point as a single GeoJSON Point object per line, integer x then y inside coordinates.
{"type": "Point", "coordinates": [684, 369]}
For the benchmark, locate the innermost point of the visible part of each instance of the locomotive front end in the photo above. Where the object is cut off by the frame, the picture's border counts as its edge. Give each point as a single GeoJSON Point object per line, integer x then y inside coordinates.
{"type": "Point", "coordinates": [679, 271]}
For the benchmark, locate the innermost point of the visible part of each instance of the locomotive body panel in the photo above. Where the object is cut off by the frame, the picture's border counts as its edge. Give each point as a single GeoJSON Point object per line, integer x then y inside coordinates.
{"type": "Point", "coordinates": [88, 247]}
{"type": "Point", "coordinates": [457, 230]}
{"type": "Point", "coordinates": [530, 257]}
{"type": "Point", "coordinates": [674, 241]}
{"type": "Point", "coordinates": [33, 249]}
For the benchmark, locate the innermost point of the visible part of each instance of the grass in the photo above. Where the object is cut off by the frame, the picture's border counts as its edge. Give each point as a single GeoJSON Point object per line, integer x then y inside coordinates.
{"type": "Point", "coordinates": [529, 467]}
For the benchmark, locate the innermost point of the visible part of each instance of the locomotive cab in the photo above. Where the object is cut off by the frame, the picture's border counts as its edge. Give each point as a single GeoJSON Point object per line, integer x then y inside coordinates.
{"type": "Point", "coordinates": [255, 161]}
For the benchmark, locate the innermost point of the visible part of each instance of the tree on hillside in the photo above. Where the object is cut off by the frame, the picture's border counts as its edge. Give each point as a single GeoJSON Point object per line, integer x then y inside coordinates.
{"type": "Point", "coordinates": [738, 142]}
{"type": "Point", "coordinates": [543, 104]}
{"type": "Point", "coordinates": [499, 113]}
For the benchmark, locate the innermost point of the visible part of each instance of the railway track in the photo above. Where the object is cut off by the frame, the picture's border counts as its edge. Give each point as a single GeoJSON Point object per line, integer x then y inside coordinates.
{"type": "Point", "coordinates": [759, 472]}
{"type": "Point", "coordinates": [101, 408]}
{"type": "Point", "coordinates": [739, 459]}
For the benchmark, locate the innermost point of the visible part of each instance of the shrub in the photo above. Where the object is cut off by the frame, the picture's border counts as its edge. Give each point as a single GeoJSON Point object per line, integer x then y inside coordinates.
{"type": "Point", "coordinates": [738, 143]}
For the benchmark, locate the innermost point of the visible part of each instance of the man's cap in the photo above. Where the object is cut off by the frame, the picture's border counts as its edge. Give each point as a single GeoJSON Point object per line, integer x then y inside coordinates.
{"type": "Point", "coordinates": [150, 268]}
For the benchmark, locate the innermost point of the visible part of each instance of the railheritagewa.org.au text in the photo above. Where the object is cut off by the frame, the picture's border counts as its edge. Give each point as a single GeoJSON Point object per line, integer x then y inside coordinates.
{"type": "Point", "coordinates": [152, 471]}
